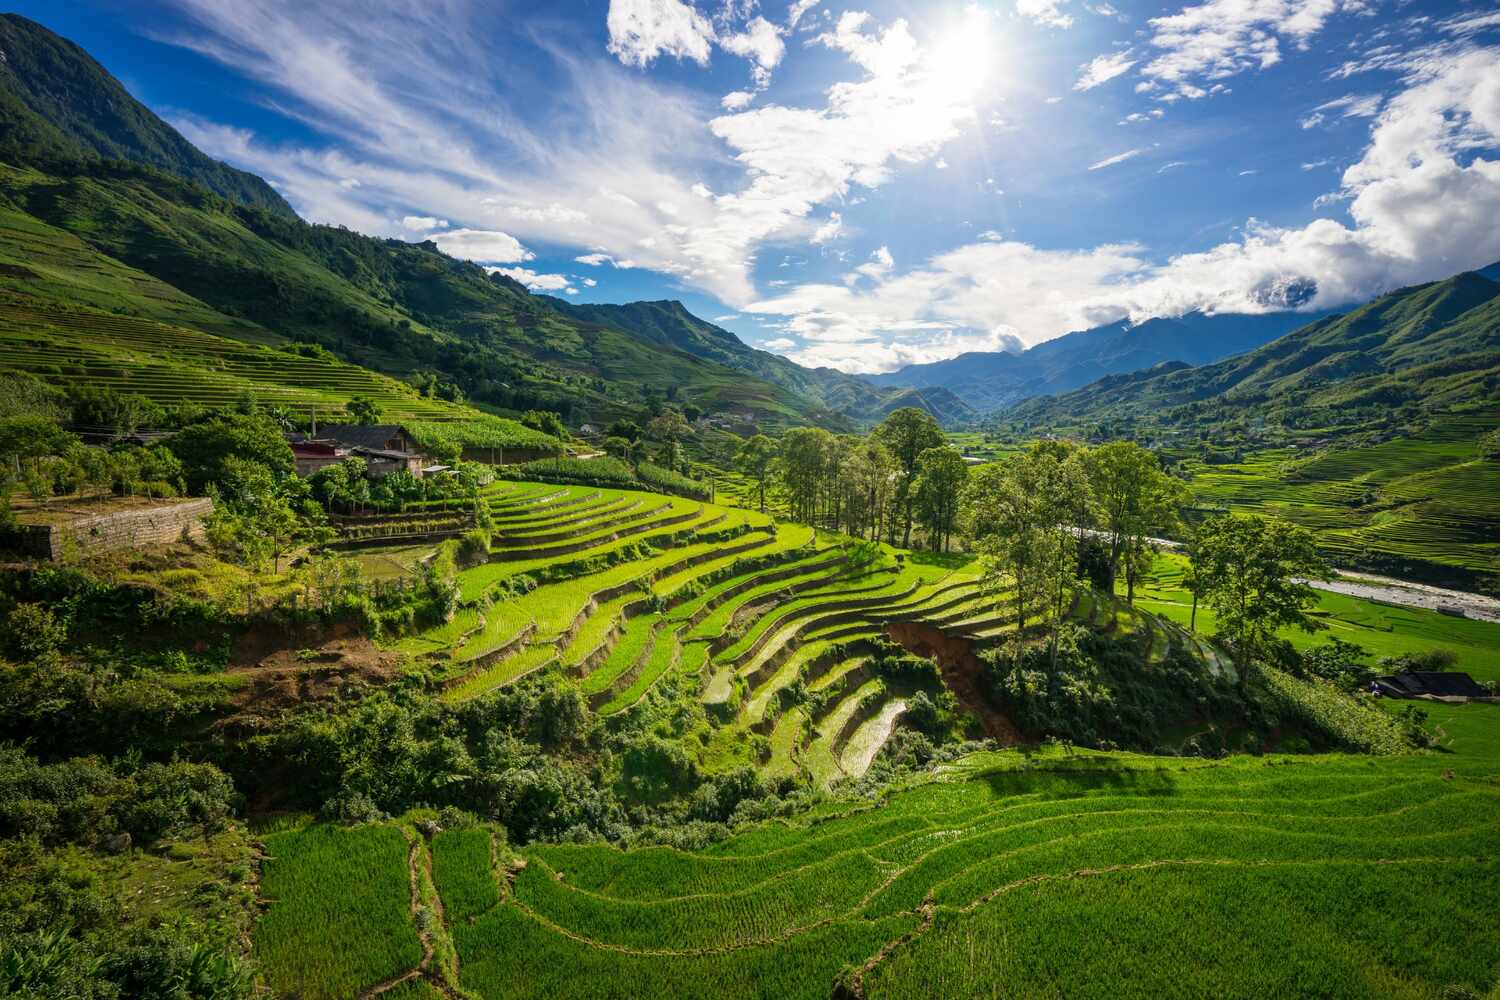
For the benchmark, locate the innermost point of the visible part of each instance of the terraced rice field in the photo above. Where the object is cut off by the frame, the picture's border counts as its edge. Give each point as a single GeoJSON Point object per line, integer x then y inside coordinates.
{"type": "Point", "coordinates": [1007, 874]}
{"type": "Point", "coordinates": [1420, 507]}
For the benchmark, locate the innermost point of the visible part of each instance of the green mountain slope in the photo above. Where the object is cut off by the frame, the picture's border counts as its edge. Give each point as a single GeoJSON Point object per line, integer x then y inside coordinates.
{"type": "Point", "coordinates": [1364, 427]}
{"type": "Point", "coordinates": [88, 161]}
{"type": "Point", "coordinates": [57, 105]}
{"type": "Point", "coordinates": [669, 323]}
{"type": "Point", "coordinates": [1403, 357]}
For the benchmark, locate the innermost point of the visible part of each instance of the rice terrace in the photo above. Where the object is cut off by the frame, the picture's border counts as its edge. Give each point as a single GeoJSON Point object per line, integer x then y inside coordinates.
{"type": "Point", "coordinates": [749, 498]}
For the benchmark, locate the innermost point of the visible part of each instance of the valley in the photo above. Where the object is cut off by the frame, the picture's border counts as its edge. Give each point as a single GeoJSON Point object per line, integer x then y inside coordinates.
{"type": "Point", "coordinates": [377, 623]}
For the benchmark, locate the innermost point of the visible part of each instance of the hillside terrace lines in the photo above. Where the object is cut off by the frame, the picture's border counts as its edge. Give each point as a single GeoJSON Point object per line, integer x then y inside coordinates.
{"type": "Point", "coordinates": [1051, 831]}
{"type": "Point", "coordinates": [171, 364]}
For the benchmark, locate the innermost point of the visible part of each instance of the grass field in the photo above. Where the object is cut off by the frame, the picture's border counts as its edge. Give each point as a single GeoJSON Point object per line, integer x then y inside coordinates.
{"type": "Point", "coordinates": [1005, 874]}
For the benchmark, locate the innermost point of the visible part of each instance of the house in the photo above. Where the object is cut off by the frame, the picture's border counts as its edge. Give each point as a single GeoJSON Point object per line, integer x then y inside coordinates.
{"type": "Point", "coordinates": [310, 456]}
{"type": "Point", "coordinates": [386, 448]}
{"type": "Point", "coordinates": [380, 437]}
{"type": "Point", "coordinates": [381, 462]}
{"type": "Point", "coordinates": [1425, 684]}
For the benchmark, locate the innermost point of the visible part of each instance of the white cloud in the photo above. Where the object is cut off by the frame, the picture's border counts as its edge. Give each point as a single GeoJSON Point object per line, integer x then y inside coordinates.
{"type": "Point", "coordinates": [737, 100]}
{"type": "Point", "coordinates": [760, 43]}
{"type": "Point", "coordinates": [1350, 106]}
{"type": "Point", "coordinates": [1421, 201]}
{"type": "Point", "coordinates": [484, 246]}
{"type": "Point", "coordinates": [1110, 161]}
{"type": "Point", "coordinates": [1136, 117]}
{"type": "Point", "coordinates": [536, 282]}
{"type": "Point", "coordinates": [829, 230]}
{"type": "Point", "coordinates": [1048, 12]}
{"type": "Point", "coordinates": [422, 223]}
{"type": "Point", "coordinates": [779, 344]}
{"type": "Point", "coordinates": [1171, 165]}
{"type": "Point", "coordinates": [1248, 173]}
{"type": "Point", "coordinates": [1217, 39]}
{"type": "Point", "coordinates": [641, 30]}
{"type": "Point", "coordinates": [1102, 69]}
{"type": "Point", "coordinates": [1315, 164]}
{"type": "Point", "coordinates": [797, 11]}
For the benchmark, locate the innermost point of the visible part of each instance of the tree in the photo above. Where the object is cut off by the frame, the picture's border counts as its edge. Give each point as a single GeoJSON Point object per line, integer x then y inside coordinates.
{"type": "Point", "coordinates": [800, 469]}
{"type": "Point", "coordinates": [1250, 571]}
{"type": "Point", "coordinates": [547, 422]}
{"type": "Point", "coordinates": [1135, 498]}
{"type": "Point", "coordinates": [941, 475]}
{"type": "Point", "coordinates": [254, 519]}
{"type": "Point", "coordinates": [907, 433]}
{"type": "Point", "coordinates": [205, 448]}
{"type": "Point", "coordinates": [1024, 516]}
{"type": "Point", "coordinates": [755, 459]}
{"type": "Point", "coordinates": [363, 410]}
{"type": "Point", "coordinates": [1489, 446]}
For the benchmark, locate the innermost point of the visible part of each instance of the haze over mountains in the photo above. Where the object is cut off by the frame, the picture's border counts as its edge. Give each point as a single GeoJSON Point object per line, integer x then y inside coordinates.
{"type": "Point", "coordinates": [1414, 352]}
{"type": "Point", "coordinates": [989, 381]}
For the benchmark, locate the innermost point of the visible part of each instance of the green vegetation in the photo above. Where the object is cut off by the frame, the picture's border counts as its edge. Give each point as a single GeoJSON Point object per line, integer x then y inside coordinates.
{"type": "Point", "coordinates": [592, 716]}
{"type": "Point", "coordinates": [333, 887]}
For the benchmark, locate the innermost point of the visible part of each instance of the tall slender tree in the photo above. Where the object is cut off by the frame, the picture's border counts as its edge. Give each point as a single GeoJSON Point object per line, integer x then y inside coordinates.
{"type": "Point", "coordinates": [1136, 500]}
{"type": "Point", "coordinates": [941, 475]}
{"type": "Point", "coordinates": [907, 433]}
{"type": "Point", "coordinates": [755, 459]}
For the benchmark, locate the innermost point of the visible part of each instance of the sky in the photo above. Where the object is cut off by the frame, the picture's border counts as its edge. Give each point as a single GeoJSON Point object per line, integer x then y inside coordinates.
{"type": "Point", "coordinates": [867, 184]}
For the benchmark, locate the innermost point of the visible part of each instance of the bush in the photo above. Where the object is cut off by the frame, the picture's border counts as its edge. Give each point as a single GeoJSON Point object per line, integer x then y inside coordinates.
{"type": "Point", "coordinates": [33, 632]}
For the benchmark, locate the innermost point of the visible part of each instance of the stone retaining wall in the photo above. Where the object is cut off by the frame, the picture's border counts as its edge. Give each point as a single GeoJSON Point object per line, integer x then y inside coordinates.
{"type": "Point", "coordinates": [159, 524]}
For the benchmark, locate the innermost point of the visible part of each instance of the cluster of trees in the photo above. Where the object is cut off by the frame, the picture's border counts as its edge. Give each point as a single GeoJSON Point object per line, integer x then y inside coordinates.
{"type": "Point", "coordinates": [880, 486]}
{"type": "Point", "coordinates": [1045, 523]}
{"type": "Point", "coordinates": [663, 434]}
{"type": "Point", "coordinates": [1037, 519]}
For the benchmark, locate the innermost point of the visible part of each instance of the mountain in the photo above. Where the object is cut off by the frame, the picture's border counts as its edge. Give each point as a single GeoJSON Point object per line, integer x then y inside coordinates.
{"type": "Point", "coordinates": [989, 381]}
{"type": "Point", "coordinates": [93, 175]}
{"type": "Point", "coordinates": [669, 323]}
{"type": "Point", "coordinates": [57, 104]}
{"type": "Point", "coordinates": [1420, 350]}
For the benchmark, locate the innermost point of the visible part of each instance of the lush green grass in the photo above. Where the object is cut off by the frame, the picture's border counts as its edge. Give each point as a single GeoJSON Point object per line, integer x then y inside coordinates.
{"type": "Point", "coordinates": [1380, 629]}
{"type": "Point", "coordinates": [1334, 876]}
{"type": "Point", "coordinates": [462, 872]}
{"type": "Point", "coordinates": [340, 919]}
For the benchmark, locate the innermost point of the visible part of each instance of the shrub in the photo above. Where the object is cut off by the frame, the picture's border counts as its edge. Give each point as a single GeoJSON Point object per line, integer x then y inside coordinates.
{"type": "Point", "coordinates": [34, 632]}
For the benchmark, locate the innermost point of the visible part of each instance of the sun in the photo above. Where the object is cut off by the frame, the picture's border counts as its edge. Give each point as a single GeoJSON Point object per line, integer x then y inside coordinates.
{"type": "Point", "coordinates": [963, 54]}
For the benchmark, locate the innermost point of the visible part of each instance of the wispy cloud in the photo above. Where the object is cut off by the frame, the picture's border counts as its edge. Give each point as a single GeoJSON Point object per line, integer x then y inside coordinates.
{"type": "Point", "coordinates": [1110, 161]}
{"type": "Point", "coordinates": [1102, 69]}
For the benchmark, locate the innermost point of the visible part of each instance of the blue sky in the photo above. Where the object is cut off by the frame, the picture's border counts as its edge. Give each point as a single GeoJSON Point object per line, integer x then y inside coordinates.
{"type": "Point", "coordinates": [860, 184]}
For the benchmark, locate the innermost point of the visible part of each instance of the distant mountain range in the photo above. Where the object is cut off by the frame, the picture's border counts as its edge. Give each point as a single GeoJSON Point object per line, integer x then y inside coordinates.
{"type": "Point", "coordinates": [989, 381]}
{"type": "Point", "coordinates": [669, 324]}
{"type": "Point", "coordinates": [1416, 351]}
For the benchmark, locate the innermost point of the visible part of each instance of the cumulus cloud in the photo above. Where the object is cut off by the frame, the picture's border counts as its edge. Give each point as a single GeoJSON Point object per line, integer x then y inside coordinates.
{"type": "Point", "coordinates": [737, 100]}
{"type": "Point", "coordinates": [1217, 39]}
{"type": "Point", "coordinates": [1421, 201]}
{"type": "Point", "coordinates": [1136, 117]}
{"type": "Point", "coordinates": [1102, 69]}
{"type": "Point", "coordinates": [422, 223]}
{"type": "Point", "coordinates": [1048, 12]}
{"type": "Point", "coordinates": [536, 282]}
{"type": "Point", "coordinates": [1110, 161]}
{"type": "Point", "coordinates": [641, 30]}
{"type": "Point", "coordinates": [798, 11]}
{"type": "Point", "coordinates": [829, 230]}
{"type": "Point", "coordinates": [483, 246]}
{"type": "Point", "coordinates": [760, 43]}
{"type": "Point", "coordinates": [779, 344]}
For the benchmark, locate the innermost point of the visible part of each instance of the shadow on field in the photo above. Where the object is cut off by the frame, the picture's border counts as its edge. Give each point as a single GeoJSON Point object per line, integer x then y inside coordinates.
{"type": "Point", "coordinates": [1073, 782]}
